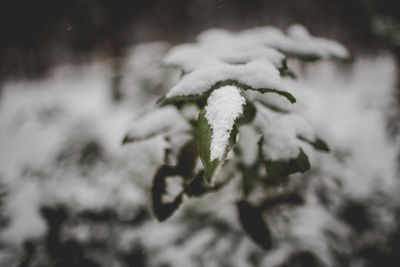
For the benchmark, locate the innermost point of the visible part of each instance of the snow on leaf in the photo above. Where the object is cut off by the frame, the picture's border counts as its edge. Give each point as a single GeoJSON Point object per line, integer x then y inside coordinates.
{"type": "Point", "coordinates": [165, 120]}
{"type": "Point", "coordinates": [216, 127]}
{"type": "Point", "coordinates": [281, 133]}
{"type": "Point", "coordinates": [257, 74]}
{"type": "Point", "coordinates": [297, 42]}
{"type": "Point", "coordinates": [278, 170]}
{"type": "Point", "coordinates": [239, 51]}
{"type": "Point", "coordinates": [300, 43]}
{"type": "Point", "coordinates": [224, 106]}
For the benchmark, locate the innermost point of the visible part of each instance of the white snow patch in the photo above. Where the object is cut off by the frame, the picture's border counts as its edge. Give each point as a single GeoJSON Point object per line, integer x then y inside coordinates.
{"type": "Point", "coordinates": [224, 106]}
{"type": "Point", "coordinates": [164, 120]}
{"type": "Point", "coordinates": [257, 73]}
{"type": "Point", "coordinates": [22, 206]}
{"type": "Point", "coordinates": [297, 41]}
{"type": "Point", "coordinates": [248, 144]}
{"type": "Point", "coordinates": [281, 133]}
{"type": "Point", "coordinates": [174, 186]}
{"type": "Point", "coordinates": [237, 51]}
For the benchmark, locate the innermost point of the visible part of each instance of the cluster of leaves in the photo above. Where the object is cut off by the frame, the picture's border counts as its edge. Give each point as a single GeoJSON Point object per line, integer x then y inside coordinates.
{"type": "Point", "coordinates": [223, 76]}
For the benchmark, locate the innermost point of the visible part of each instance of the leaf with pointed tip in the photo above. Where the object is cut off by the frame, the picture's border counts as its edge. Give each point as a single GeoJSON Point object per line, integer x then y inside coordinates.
{"type": "Point", "coordinates": [204, 132]}
{"type": "Point", "coordinates": [162, 210]}
{"type": "Point", "coordinates": [253, 223]}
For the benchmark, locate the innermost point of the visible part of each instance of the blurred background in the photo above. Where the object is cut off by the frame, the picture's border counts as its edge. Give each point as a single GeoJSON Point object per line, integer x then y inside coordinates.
{"type": "Point", "coordinates": [37, 35]}
{"type": "Point", "coordinates": [75, 74]}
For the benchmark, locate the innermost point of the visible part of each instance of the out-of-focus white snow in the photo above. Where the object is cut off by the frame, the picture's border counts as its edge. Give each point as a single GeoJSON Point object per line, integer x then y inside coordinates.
{"type": "Point", "coordinates": [247, 45]}
{"type": "Point", "coordinates": [350, 113]}
{"type": "Point", "coordinates": [174, 186]}
{"type": "Point", "coordinates": [22, 206]}
{"type": "Point", "coordinates": [224, 106]}
{"type": "Point", "coordinates": [239, 51]}
{"type": "Point", "coordinates": [166, 120]}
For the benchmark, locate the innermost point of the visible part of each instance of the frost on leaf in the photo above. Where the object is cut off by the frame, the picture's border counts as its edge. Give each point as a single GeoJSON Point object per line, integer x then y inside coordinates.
{"type": "Point", "coordinates": [216, 127]}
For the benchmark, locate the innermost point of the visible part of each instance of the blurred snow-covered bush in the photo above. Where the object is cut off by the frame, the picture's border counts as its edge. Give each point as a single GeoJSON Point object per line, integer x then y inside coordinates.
{"type": "Point", "coordinates": [71, 195]}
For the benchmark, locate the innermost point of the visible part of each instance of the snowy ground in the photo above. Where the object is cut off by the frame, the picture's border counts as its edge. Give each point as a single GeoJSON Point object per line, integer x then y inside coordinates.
{"type": "Point", "coordinates": [61, 153]}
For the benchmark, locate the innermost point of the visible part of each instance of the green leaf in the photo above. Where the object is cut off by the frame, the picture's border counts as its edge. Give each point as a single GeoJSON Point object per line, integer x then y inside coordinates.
{"type": "Point", "coordinates": [249, 112]}
{"type": "Point", "coordinates": [278, 170]}
{"type": "Point", "coordinates": [204, 132]}
{"type": "Point", "coordinates": [253, 223]}
{"type": "Point", "coordinates": [187, 159]}
{"type": "Point", "coordinates": [197, 186]}
{"type": "Point", "coordinates": [161, 210]}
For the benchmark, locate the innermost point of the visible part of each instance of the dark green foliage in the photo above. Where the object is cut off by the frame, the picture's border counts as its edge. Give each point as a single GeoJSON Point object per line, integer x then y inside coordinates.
{"type": "Point", "coordinates": [197, 187]}
{"type": "Point", "coordinates": [303, 259]}
{"type": "Point", "coordinates": [187, 159]}
{"type": "Point", "coordinates": [293, 198]}
{"type": "Point", "coordinates": [135, 257]}
{"type": "Point", "coordinates": [249, 112]}
{"type": "Point", "coordinates": [253, 223]}
{"type": "Point", "coordinates": [250, 176]}
{"type": "Point", "coordinates": [278, 170]}
{"type": "Point", "coordinates": [356, 215]}
{"type": "Point", "coordinates": [163, 210]}
{"type": "Point", "coordinates": [185, 168]}
{"type": "Point", "coordinates": [64, 253]}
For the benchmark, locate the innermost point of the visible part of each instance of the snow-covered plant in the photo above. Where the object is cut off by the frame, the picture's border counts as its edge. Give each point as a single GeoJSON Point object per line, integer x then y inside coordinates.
{"type": "Point", "coordinates": [229, 116]}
